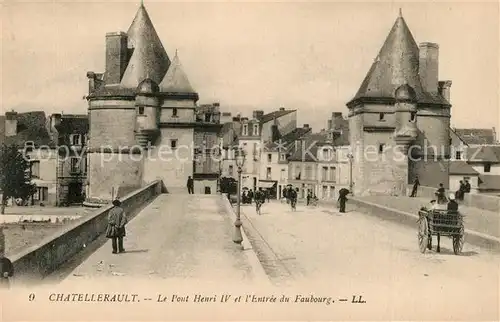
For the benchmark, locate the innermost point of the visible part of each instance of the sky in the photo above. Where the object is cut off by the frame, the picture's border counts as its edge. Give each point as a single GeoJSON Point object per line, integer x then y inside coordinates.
{"type": "Point", "coordinates": [251, 55]}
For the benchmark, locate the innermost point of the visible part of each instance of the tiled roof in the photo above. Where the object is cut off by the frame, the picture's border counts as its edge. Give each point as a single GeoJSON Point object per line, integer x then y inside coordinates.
{"type": "Point", "coordinates": [484, 153]}
{"type": "Point", "coordinates": [287, 141]}
{"type": "Point", "coordinates": [149, 59]}
{"type": "Point", "coordinates": [308, 148]}
{"type": "Point", "coordinates": [176, 80]}
{"type": "Point", "coordinates": [476, 136]}
{"type": "Point", "coordinates": [31, 126]}
{"type": "Point", "coordinates": [461, 168]}
{"type": "Point", "coordinates": [489, 182]}
{"type": "Point", "coordinates": [74, 123]}
{"type": "Point", "coordinates": [276, 114]}
{"type": "Point", "coordinates": [396, 64]}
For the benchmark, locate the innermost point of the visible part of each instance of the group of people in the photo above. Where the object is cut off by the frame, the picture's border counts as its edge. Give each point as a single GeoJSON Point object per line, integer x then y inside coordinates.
{"type": "Point", "coordinates": [441, 202]}
{"type": "Point", "coordinates": [464, 188]}
{"type": "Point", "coordinates": [248, 196]}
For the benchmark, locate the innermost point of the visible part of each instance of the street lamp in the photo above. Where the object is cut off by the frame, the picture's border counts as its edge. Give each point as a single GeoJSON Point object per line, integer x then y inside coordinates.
{"type": "Point", "coordinates": [240, 161]}
{"type": "Point", "coordinates": [350, 157]}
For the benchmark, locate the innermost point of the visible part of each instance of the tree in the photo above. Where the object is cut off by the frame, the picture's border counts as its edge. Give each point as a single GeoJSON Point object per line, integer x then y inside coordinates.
{"type": "Point", "coordinates": [15, 179]}
{"type": "Point", "coordinates": [228, 185]}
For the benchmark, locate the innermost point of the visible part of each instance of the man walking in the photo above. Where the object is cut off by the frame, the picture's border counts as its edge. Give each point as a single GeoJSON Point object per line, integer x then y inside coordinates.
{"type": "Point", "coordinates": [415, 188]}
{"type": "Point", "coordinates": [116, 227]}
{"type": "Point", "coordinates": [190, 185]}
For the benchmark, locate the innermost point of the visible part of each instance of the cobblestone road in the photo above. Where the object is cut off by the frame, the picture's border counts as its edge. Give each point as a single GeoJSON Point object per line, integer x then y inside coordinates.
{"type": "Point", "coordinates": [319, 248]}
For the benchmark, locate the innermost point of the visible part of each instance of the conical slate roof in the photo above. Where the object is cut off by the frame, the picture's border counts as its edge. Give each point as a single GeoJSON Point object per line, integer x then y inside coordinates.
{"type": "Point", "coordinates": [149, 59]}
{"type": "Point", "coordinates": [396, 64]}
{"type": "Point", "coordinates": [176, 80]}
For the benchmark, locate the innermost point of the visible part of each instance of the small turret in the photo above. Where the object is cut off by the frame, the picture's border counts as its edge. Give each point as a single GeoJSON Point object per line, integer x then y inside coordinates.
{"type": "Point", "coordinates": [147, 106]}
{"type": "Point", "coordinates": [406, 116]}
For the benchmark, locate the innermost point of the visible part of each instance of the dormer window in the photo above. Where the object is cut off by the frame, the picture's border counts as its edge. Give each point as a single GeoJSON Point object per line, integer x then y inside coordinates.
{"type": "Point", "coordinates": [413, 116]}
{"type": "Point", "coordinates": [29, 145]}
{"type": "Point", "coordinates": [244, 130]}
{"type": "Point", "coordinates": [174, 112]}
{"type": "Point", "coordinates": [256, 129]}
{"type": "Point", "coordinates": [141, 110]}
{"type": "Point", "coordinates": [282, 157]}
{"type": "Point", "coordinates": [381, 116]}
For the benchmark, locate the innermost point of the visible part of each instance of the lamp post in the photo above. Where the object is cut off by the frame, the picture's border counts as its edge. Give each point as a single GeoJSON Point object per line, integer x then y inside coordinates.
{"type": "Point", "coordinates": [240, 161]}
{"type": "Point", "coordinates": [350, 157]}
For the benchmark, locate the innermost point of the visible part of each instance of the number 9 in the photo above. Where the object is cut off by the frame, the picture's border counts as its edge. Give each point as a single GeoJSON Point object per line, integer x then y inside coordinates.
{"type": "Point", "coordinates": [31, 297]}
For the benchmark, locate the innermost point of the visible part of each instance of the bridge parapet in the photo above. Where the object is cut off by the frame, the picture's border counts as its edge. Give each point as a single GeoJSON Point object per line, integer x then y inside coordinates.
{"type": "Point", "coordinates": [38, 261]}
{"type": "Point", "coordinates": [475, 200]}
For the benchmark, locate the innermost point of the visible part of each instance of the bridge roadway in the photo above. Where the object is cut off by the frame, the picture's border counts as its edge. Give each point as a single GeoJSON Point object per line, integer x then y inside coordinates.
{"type": "Point", "coordinates": [318, 248]}
{"type": "Point", "coordinates": [177, 236]}
{"type": "Point", "coordinates": [181, 245]}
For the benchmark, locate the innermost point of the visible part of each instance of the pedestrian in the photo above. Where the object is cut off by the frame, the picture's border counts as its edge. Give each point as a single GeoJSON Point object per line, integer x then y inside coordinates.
{"type": "Point", "coordinates": [308, 198]}
{"type": "Point", "coordinates": [441, 198]}
{"type": "Point", "coordinates": [116, 227]}
{"type": "Point", "coordinates": [467, 186]}
{"type": "Point", "coordinates": [415, 188]}
{"type": "Point", "coordinates": [190, 185]}
{"type": "Point", "coordinates": [459, 194]}
{"type": "Point", "coordinates": [342, 199]}
{"type": "Point", "coordinates": [250, 196]}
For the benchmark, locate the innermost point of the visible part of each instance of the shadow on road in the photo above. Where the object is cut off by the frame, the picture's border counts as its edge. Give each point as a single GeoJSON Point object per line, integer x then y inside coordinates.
{"type": "Point", "coordinates": [137, 251]}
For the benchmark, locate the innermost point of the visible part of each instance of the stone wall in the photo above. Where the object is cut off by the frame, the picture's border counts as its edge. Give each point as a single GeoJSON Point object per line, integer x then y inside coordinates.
{"type": "Point", "coordinates": [40, 260]}
{"type": "Point", "coordinates": [490, 203]}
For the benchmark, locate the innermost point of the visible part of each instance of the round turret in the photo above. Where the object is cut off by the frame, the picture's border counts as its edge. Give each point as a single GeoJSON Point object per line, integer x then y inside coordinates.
{"type": "Point", "coordinates": [148, 86]}
{"type": "Point", "coordinates": [405, 93]}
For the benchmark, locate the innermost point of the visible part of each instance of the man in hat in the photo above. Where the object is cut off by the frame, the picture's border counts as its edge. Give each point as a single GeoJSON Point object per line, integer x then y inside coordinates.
{"type": "Point", "coordinates": [116, 226]}
{"type": "Point", "coordinates": [452, 204]}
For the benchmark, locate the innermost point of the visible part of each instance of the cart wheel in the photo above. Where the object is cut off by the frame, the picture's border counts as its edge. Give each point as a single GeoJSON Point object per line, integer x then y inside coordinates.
{"type": "Point", "coordinates": [423, 235]}
{"type": "Point", "coordinates": [458, 242]}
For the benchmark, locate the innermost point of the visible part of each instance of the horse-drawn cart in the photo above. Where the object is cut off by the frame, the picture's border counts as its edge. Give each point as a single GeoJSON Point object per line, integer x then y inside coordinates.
{"type": "Point", "coordinates": [440, 223]}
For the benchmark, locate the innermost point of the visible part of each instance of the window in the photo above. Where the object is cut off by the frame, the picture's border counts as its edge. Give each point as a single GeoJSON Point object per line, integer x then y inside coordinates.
{"type": "Point", "coordinates": [230, 170]}
{"type": "Point", "coordinates": [413, 116]}
{"type": "Point", "coordinates": [75, 165]}
{"type": "Point", "coordinates": [325, 192]}
{"type": "Point", "coordinates": [75, 139]}
{"type": "Point", "coordinates": [141, 110]}
{"type": "Point", "coordinates": [174, 112]}
{"type": "Point", "coordinates": [381, 148]}
{"type": "Point", "coordinates": [244, 131]}
{"type": "Point", "coordinates": [84, 164]}
{"type": "Point", "coordinates": [35, 169]}
{"type": "Point", "coordinates": [381, 116]}
{"type": "Point", "coordinates": [332, 174]}
{"type": "Point", "coordinates": [85, 139]}
{"type": "Point", "coordinates": [268, 173]}
{"type": "Point", "coordinates": [256, 129]}
{"type": "Point", "coordinates": [269, 157]}
{"type": "Point", "coordinates": [487, 167]}
{"type": "Point", "coordinates": [255, 149]}
{"type": "Point", "coordinates": [282, 157]}
{"type": "Point", "coordinates": [283, 174]}
{"type": "Point", "coordinates": [458, 155]}
{"type": "Point", "coordinates": [324, 175]}
{"type": "Point", "coordinates": [297, 172]}
{"type": "Point", "coordinates": [326, 154]}
{"type": "Point", "coordinates": [29, 146]}
{"type": "Point", "coordinates": [173, 144]}
{"type": "Point", "coordinates": [308, 174]}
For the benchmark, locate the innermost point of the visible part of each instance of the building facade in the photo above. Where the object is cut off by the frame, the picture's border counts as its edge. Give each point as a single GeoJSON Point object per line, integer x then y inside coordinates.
{"type": "Point", "coordinates": [401, 109]}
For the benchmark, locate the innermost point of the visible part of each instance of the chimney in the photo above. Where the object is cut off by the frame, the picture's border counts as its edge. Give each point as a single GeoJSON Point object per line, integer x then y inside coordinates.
{"type": "Point", "coordinates": [257, 114]}
{"type": "Point", "coordinates": [55, 120]}
{"type": "Point", "coordinates": [444, 89]}
{"type": "Point", "coordinates": [236, 119]}
{"type": "Point", "coordinates": [116, 57]}
{"type": "Point", "coordinates": [282, 108]}
{"type": "Point", "coordinates": [306, 126]}
{"type": "Point", "coordinates": [10, 123]}
{"type": "Point", "coordinates": [329, 124]}
{"type": "Point", "coordinates": [429, 66]}
{"type": "Point", "coordinates": [225, 117]}
{"type": "Point", "coordinates": [337, 121]}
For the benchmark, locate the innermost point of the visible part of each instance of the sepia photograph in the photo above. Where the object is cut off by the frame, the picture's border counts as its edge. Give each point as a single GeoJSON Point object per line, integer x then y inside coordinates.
{"type": "Point", "coordinates": [249, 161]}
